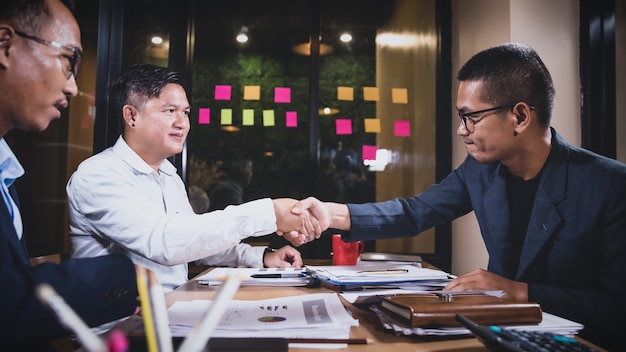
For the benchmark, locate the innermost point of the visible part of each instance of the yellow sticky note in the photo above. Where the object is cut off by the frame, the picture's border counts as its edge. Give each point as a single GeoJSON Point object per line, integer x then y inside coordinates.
{"type": "Point", "coordinates": [268, 118]}
{"type": "Point", "coordinates": [248, 117]}
{"type": "Point", "coordinates": [226, 117]}
{"type": "Point", "coordinates": [370, 93]}
{"type": "Point", "coordinates": [252, 93]}
{"type": "Point", "coordinates": [345, 93]}
{"type": "Point", "coordinates": [399, 96]}
{"type": "Point", "coordinates": [372, 125]}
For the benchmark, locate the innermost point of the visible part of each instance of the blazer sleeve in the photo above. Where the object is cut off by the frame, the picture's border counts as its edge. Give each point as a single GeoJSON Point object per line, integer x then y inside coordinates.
{"type": "Point", "coordinates": [405, 217]}
{"type": "Point", "coordinates": [100, 290]}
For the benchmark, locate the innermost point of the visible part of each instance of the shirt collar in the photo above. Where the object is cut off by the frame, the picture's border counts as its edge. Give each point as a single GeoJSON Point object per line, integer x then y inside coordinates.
{"type": "Point", "coordinates": [10, 167]}
{"type": "Point", "coordinates": [122, 149]}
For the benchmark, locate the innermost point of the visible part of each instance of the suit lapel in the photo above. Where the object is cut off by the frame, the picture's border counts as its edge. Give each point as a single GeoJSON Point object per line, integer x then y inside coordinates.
{"type": "Point", "coordinates": [497, 208]}
{"type": "Point", "coordinates": [16, 246]}
{"type": "Point", "coordinates": [545, 218]}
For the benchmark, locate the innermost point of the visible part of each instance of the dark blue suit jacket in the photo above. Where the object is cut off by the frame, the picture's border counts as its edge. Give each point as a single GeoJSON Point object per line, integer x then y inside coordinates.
{"type": "Point", "coordinates": [574, 254]}
{"type": "Point", "coordinates": [99, 289]}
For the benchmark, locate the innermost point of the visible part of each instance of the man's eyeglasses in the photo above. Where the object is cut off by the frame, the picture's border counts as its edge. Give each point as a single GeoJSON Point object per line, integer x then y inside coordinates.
{"type": "Point", "coordinates": [75, 59]}
{"type": "Point", "coordinates": [474, 118]}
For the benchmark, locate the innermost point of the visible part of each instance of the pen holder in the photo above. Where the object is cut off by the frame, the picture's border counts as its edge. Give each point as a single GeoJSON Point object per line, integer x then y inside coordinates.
{"type": "Point", "coordinates": [346, 253]}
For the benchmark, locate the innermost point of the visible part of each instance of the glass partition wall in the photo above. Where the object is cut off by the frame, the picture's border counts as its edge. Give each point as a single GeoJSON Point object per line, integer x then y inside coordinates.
{"type": "Point", "coordinates": [334, 99]}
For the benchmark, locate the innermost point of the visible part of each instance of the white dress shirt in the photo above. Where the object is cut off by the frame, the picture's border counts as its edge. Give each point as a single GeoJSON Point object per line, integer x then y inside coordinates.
{"type": "Point", "coordinates": [10, 170]}
{"type": "Point", "coordinates": [119, 204]}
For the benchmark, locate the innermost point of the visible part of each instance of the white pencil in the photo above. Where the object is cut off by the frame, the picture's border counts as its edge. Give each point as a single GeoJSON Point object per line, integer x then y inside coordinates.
{"type": "Point", "coordinates": [198, 337]}
{"type": "Point", "coordinates": [66, 315]}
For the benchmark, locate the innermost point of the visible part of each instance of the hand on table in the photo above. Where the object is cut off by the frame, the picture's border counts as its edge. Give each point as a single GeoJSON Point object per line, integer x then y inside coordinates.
{"type": "Point", "coordinates": [285, 257]}
{"type": "Point", "coordinates": [481, 279]}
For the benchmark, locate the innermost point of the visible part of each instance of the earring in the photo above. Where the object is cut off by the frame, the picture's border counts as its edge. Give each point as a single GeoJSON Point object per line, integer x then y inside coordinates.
{"type": "Point", "coordinates": [133, 124]}
{"type": "Point", "coordinates": [514, 132]}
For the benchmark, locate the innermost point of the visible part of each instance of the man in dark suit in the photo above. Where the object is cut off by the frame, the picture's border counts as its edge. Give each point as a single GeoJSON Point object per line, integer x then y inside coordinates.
{"type": "Point", "coordinates": [40, 53]}
{"type": "Point", "coordinates": [553, 216]}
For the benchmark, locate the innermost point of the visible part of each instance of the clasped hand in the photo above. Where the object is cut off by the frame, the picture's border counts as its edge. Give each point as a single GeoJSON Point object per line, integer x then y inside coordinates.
{"type": "Point", "coordinates": [302, 221]}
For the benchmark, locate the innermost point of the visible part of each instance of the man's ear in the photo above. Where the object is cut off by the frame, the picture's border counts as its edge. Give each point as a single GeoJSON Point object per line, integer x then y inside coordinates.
{"type": "Point", "coordinates": [6, 38]}
{"type": "Point", "coordinates": [522, 113]}
{"type": "Point", "coordinates": [129, 113]}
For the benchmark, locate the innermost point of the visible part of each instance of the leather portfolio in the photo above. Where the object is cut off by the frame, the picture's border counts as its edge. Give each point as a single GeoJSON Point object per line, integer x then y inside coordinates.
{"type": "Point", "coordinates": [438, 310]}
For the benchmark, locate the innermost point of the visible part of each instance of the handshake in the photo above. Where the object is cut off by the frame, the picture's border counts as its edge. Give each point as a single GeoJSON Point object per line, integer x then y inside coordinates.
{"type": "Point", "coordinates": [302, 221]}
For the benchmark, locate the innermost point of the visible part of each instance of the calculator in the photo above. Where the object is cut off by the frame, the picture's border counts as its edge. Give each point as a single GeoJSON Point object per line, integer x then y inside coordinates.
{"type": "Point", "coordinates": [498, 339]}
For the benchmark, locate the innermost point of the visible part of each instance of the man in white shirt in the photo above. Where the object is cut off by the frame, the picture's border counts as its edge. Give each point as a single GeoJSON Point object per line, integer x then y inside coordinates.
{"type": "Point", "coordinates": [129, 199]}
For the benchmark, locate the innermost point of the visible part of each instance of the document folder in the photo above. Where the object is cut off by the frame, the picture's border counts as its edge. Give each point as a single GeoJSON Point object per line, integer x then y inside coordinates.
{"type": "Point", "coordinates": [439, 310]}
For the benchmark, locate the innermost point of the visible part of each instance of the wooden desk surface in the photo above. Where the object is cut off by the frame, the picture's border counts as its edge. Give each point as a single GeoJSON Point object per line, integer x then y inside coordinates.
{"type": "Point", "coordinates": [369, 325]}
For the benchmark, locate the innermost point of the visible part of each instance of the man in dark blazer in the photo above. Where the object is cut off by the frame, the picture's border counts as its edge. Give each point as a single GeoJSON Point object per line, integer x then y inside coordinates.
{"type": "Point", "coordinates": [40, 53]}
{"type": "Point", "coordinates": [553, 216]}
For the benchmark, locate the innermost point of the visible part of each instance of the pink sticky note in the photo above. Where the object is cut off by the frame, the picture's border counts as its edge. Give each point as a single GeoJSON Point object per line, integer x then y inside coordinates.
{"type": "Point", "coordinates": [292, 118]}
{"type": "Point", "coordinates": [402, 128]}
{"type": "Point", "coordinates": [222, 92]}
{"type": "Point", "coordinates": [204, 116]}
{"type": "Point", "coordinates": [369, 152]}
{"type": "Point", "coordinates": [343, 126]}
{"type": "Point", "coordinates": [282, 95]}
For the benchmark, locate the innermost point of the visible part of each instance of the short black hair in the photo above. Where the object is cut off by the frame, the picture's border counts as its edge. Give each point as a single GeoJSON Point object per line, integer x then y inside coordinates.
{"type": "Point", "coordinates": [140, 83]}
{"type": "Point", "coordinates": [29, 16]}
{"type": "Point", "coordinates": [512, 73]}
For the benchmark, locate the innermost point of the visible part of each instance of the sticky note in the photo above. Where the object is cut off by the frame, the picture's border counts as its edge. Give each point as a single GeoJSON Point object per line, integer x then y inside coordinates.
{"type": "Point", "coordinates": [399, 96]}
{"type": "Point", "coordinates": [372, 125]}
{"type": "Point", "coordinates": [282, 95]}
{"type": "Point", "coordinates": [252, 93]}
{"type": "Point", "coordinates": [402, 128]}
{"type": "Point", "coordinates": [291, 118]}
{"type": "Point", "coordinates": [204, 116]}
{"type": "Point", "coordinates": [343, 126]}
{"type": "Point", "coordinates": [268, 118]}
{"type": "Point", "coordinates": [345, 93]}
{"type": "Point", "coordinates": [369, 152]}
{"type": "Point", "coordinates": [222, 92]}
{"type": "Point", "coordinates": [370, 93]}
{"type": "Point", "coordinates": [247, 115]}
{"type": "Point", "coordinates": [226, 117]}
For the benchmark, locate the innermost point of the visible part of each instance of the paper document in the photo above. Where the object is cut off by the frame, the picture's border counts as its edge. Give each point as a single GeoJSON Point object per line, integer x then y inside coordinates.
{"type": "Point", "coordinates": [258, 277]}
{"type": "Point", "coordinates": [549, 323]}
{"type": "Point", "coordinates": [375, 274]}
{"type": "Point", "coordinates": [303, 316]}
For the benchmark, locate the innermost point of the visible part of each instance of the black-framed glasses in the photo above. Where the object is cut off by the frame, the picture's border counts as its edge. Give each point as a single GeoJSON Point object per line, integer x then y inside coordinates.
{"type": "Point", "coordinates": [474, 117]}
{"type": "Point", "coordinates": [75, 59]}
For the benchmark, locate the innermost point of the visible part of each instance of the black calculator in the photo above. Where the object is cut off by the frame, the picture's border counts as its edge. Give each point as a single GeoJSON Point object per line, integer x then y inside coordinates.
{"type": "Point", "coordinates": [507, 340]}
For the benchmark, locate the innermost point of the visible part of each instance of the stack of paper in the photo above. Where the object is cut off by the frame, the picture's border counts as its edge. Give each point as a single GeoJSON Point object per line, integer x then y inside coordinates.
{"type": "Point", "coordinates": [379, 274]}
{"type": "Point", "coordinates": [258, 277]}
{"type": "Point", "coordinates": [549, 323]}
{"type": "Point", "coordinates": [303, 316]}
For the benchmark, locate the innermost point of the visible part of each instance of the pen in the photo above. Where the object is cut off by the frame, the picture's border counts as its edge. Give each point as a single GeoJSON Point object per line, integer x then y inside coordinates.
{"type": "Point", "coordinates": [276, 276]}
{"type": "Point", "coordinates": [69, 318]}
{"type": "Point", "coordinates": [320, 340]}
{"type": "Point", "coordinates": [383, 272]}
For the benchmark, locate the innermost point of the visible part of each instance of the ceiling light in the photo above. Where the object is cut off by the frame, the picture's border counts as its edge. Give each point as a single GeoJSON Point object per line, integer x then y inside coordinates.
{"type": "Point", "coordinates": [346, 37]}
{"type": "Point", "coordinates": [328, 111]}
{"type": "Point", "coordinates": [305, 49]}
{"type": "Point", "coordinates": [242, 37]}
{"type": "Point", "coordinates": [156, 40]}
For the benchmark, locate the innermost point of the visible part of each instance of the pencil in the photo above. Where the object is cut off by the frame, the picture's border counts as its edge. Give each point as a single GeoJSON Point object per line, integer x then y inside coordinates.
{"type": "Point", "coordinates": [66, 315]}
{"type": "Point", "coordinates": [146, 309]}
{"type": "Point", "coordinates": [159, 310]}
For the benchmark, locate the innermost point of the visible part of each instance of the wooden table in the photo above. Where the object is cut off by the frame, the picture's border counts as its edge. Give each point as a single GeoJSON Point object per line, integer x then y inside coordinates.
{"type": "Point", "coordinates": [369, 325]}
